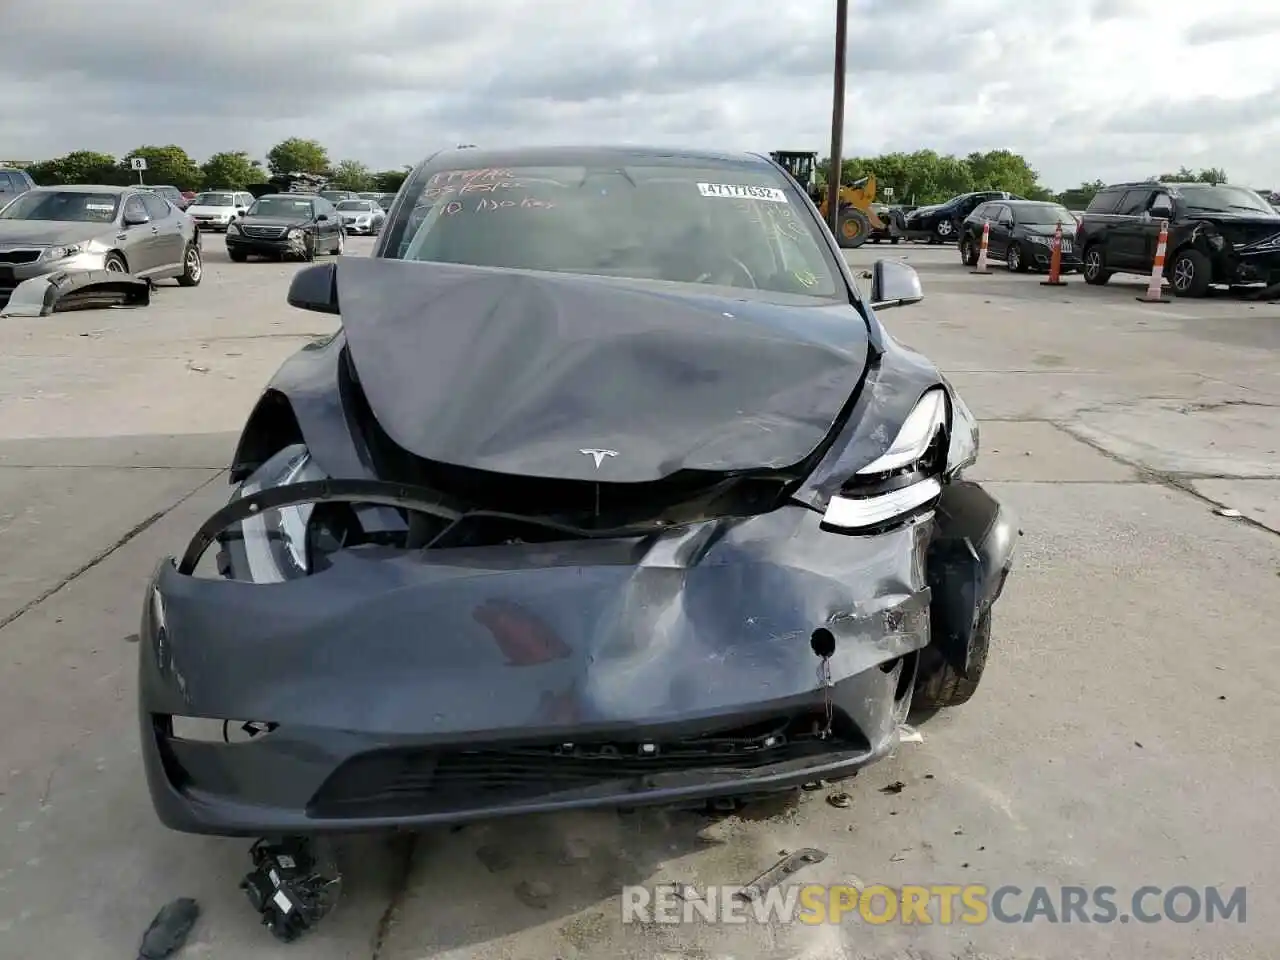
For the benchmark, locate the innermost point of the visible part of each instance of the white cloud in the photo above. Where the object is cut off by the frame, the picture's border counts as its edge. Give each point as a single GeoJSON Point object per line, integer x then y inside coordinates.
{"type": "Point", "coordinates": [1117, 89]}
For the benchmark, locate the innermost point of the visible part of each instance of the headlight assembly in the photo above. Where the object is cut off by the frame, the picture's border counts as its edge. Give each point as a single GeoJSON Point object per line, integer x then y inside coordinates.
{"type": "Point", "coordinates": [1035, 238]}
{"type": "Point", "coordinates": [936, 440]}
{"type": "Point", "coordinates": [275, 541]}
{"type": "Point", "coordinates": [65, 251]}
{"type": "Point", "coordinates": [232, 229]}
{"type": "Point", "coordinates": [295, 234]}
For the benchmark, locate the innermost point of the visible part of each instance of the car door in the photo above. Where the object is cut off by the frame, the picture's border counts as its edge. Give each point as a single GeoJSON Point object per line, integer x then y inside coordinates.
{"type": "Point", "coordinates": [170, 244]}
{"type": "Point", "coordinates": [140, 237]}
{"type": "Point", "coordinates": [328, 222]}
{"type": "Point", "coordinates": [1001, 231]}
{"type": "Point", "coordinates": [1127, 243]}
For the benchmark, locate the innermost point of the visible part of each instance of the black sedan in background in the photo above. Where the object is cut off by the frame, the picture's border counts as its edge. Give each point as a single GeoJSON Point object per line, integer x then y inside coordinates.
{"type": "Point", "coordinates": [1021, 234]}
{"type": "Point", "coordinates": [284, 225]}
{"type": "Point", "coordinates": [941, 222]}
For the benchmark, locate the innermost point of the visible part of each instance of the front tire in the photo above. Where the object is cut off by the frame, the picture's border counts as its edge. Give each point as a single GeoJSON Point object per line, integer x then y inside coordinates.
{"type": "Point", "coordinates": [1095, 266]}
{"type": "Point", "coordinates": [237, 256]}
{"type": "Point", "coordinates": [114, 263]}
{"type": "Point", "coordinates": [945, 230]}
{"type": "Point", "coordinates": [939, 684]}
{"type": "Point", "coordinates": [968, 255]}
{"type": "Point", "coordinates": [339, 244]}
{"type": "Point", "coordinates": [853, 228]}
{"type": "Point", "coordinates": [192, 267]}
{"type": "Point", "coordinates": [1015, 260]}
{"type": "Point", "coordinates": [1190, 273]}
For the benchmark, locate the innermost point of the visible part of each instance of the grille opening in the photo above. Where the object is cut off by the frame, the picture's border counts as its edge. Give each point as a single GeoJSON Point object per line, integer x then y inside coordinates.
{"type": "Point", "coordinates": [418, 781]}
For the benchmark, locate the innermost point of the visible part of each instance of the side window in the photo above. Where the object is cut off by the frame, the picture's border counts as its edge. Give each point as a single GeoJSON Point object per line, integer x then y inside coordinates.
{"type": "Point", "coordinates": [1162, 196]}
{"type": "Point", "coordinates": [134, 208]}
{"type": "Point", "coordinates": [983, 212]}
{"type": "Point", "coordinates": [7, 182]}
{"type": "Point", "coordinates": [1002, 213]}
{"type": "Point", "coordinates": [1106, 201]}
{"type": "Point", "coordinates": [1134, 202]}
{"type": "Point", "coordinates": [157, 208]}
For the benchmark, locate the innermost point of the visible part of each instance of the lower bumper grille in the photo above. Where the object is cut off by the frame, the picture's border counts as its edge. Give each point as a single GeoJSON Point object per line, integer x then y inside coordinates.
{"type": "Point", "coordinates": [418, 781]}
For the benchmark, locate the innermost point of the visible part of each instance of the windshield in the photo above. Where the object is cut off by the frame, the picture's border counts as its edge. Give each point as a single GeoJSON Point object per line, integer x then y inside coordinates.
{"type": "Point", "coordinates": [280, 207]}
{"type": "Point", "coordinates": [1044, 214]}
{"type": "Point", "coordinates": [213, 200]}
{"type": "Point", "coordinates": [362, 205]}
{"type": "Point", "coordinates": [1222, 198]}
{"type": "Point", "coordinates": [74, 206]}
{"type": "Point", "coordinates": [731, 226]}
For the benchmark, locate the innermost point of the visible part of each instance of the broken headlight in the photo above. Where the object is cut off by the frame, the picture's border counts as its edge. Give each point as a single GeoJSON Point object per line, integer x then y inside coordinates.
{"type": "Point", "coordinates": [907, 478]}
{"type": "Point", "coordinates": [275, 541]}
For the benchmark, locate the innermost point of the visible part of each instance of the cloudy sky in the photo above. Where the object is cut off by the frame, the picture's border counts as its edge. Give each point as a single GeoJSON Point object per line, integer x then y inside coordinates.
{"type": "Point", "coordinates": [1084, 88]}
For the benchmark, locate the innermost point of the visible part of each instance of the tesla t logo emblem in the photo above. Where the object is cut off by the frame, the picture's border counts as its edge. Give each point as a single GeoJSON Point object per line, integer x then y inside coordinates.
{"type": "Point", "coordinates": [598, 455]}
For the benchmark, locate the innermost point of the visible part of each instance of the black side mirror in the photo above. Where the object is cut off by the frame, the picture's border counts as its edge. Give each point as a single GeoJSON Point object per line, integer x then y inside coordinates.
{"type": "Point", "coordinates": [894, 284]}
{"type": "Point", "coordinates": [320, 217]}
{"type": "Point", "coordinates": [239, 211]}
{"type": "Point", "coordinates": [315, 288]}
{"type": "Point", "coordinates": [1161, 211]}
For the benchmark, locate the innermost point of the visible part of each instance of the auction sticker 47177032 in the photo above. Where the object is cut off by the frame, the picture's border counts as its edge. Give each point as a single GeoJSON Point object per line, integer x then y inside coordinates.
{"type": "Point", "coordinates": [739, 191]}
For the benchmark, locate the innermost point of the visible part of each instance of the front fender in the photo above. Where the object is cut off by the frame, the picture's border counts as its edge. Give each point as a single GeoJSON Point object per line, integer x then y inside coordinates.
{"type": "Point", "coordinates": [968, 561]}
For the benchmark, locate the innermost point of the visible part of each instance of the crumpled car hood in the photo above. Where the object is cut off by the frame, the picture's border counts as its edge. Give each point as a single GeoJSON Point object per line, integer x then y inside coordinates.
{"type": "Point", "coordinates": [525, 373]}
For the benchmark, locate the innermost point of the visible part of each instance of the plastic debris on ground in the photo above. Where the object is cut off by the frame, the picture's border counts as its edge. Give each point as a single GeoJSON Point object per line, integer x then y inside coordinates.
{"type": "Point", "coordinates": [169, 930]}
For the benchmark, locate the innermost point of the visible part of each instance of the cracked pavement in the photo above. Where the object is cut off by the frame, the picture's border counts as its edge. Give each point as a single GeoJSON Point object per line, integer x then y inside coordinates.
{"type": "Point", "coordinates": [1121, 735]}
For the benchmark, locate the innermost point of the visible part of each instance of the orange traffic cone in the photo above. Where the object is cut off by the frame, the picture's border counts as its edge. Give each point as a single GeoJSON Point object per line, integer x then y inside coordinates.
{"type": "Point", "coordinates": [1156, 283]}
{"type": "Point", "coordinates": [982, 251]}
{"type": "Point", "coordinates": [1055, 261]}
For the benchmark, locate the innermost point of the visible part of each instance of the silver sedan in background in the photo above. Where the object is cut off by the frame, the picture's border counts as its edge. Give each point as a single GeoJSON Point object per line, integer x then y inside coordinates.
{"type": "Point", "coordinates": [361, 216]}
{"type": "Point", "coordinates": [122, 229]}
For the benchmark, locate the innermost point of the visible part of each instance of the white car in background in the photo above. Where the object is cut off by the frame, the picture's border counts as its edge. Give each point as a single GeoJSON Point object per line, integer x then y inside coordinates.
{"type": "Point", "coordinates": [216, 209]}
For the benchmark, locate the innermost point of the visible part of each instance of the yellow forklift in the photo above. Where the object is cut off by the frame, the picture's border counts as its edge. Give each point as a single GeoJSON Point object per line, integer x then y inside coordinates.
{"type": "Point", "coordinates": [860, 220]}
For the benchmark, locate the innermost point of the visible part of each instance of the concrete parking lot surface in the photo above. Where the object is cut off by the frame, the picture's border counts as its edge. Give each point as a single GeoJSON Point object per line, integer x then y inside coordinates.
{"type": "Point", "coordinates": [1123, 735]}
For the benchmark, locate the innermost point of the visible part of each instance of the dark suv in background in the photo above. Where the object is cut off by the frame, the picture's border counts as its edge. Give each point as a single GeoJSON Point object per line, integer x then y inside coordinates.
{"type": "Point", "coordinates": [1218, 234]}
{"type": "Point", "coordinates": [13, 182]}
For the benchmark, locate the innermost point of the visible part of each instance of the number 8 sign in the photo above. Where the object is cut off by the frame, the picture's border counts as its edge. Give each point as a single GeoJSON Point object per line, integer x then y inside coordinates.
{"type": "Point", "coordinates": [137, 163]}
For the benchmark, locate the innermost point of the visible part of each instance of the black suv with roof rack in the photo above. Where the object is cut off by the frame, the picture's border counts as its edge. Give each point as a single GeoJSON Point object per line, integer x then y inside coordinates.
{"type": "Point", "coordinates": [1218, 234]}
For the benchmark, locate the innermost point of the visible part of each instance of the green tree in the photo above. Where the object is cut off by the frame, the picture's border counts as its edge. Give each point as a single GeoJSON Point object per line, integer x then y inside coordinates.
{"type": "Point", "coordinates": [350, 175]}
{"type": "Point", "coordinates": [1187, 175]}
{"type": "Point", "coordinates": [297, 155]}
{"type": "Point", "coordinates": [1078, 198]}
{"type": "Point", "coordinates": [169, 164]}
{"type": "Point", "coordinates": [389, 181]}
{"type": "Point", "coordinates": [79, 166]}
{"type": "Point", "coordinates": [232, 170]}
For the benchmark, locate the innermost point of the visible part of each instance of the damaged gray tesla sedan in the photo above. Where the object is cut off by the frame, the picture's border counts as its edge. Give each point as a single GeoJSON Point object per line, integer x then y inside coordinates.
{"type": "Point", "coordinates": [610, 490]}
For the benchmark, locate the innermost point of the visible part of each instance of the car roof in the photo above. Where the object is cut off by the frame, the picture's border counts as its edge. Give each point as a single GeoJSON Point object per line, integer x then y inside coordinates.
{"type": "Point", "coordinates": [1029, 203]}
{"type": "Point", "coordinates": [579, 156]}
{"type": "Point", "coordinates": [287, 196]}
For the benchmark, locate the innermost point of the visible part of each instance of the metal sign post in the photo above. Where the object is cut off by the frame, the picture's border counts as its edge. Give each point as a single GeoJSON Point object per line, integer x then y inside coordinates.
{"type": "Point", "coordinates": [139, 164]}
{"type": "Point", "coordinates": [834, 171]}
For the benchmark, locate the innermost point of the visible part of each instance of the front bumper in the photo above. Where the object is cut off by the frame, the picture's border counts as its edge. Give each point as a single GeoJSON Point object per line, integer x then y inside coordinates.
{"type": "Point", "coordinates": [12, 274]}
{"type": "Point", "coordinates": [1243, 270]}
{"type": "Point", "coordinates": [267, 246]}
{"type": "Point", "coordinates": [364, 229]}
{"type": "Point", "coordinates": [409, 693]}
{"type": "Point", "coordinates": [212, 225]}
{"type": "Point", "coordinates": [1039, 255]}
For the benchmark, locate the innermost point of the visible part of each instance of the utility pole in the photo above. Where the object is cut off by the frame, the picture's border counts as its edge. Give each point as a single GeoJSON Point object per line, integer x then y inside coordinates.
{"type": "Point", "coordinates": [837, 117]}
